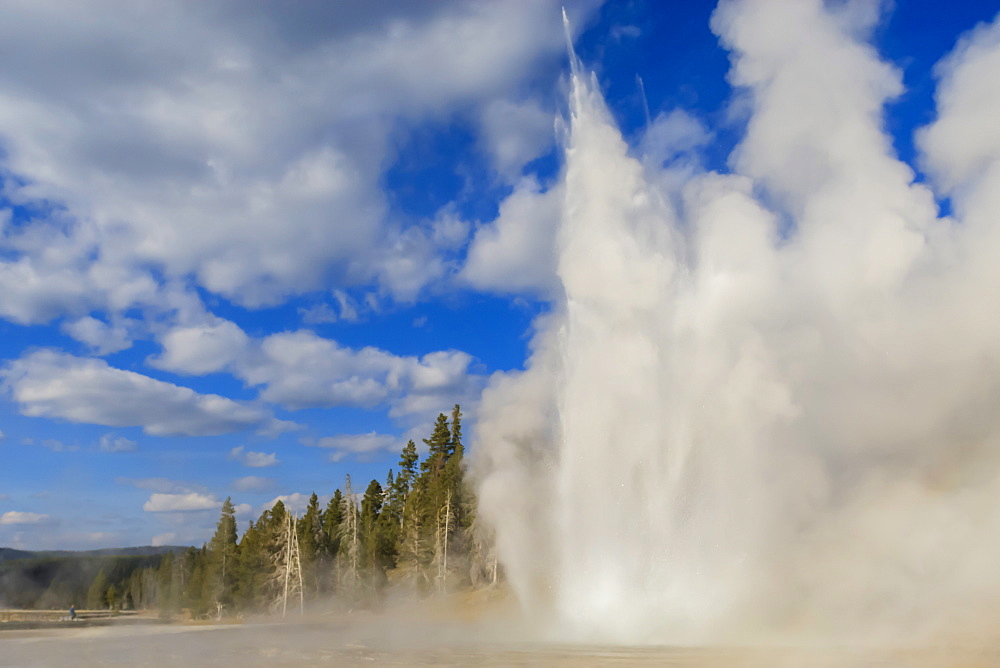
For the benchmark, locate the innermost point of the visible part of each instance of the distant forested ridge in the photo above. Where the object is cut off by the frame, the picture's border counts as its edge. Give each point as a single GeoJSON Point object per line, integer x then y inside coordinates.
{"type": "Point", "coordinates": [58, 579]}
{"type": "Point", "coordinates": [417, 531]}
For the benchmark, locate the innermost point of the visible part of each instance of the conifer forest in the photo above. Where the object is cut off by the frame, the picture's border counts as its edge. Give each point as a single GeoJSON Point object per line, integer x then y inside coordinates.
{"type": "Point", "coordinates": [414, 532]}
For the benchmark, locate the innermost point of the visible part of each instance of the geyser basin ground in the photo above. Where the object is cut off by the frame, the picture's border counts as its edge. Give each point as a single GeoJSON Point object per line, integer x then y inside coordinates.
{"type": "Point", "coordinates": [451, 632]}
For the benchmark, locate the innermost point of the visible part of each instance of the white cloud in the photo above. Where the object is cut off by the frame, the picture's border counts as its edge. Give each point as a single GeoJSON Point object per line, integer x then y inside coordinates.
{"type": "Point", "coordinates": [516, 133]}
{"type": "Point", "coordinates": [295, 503]}
{"type": "Point", "coordinates": [163, 503]}
{"type": "Point", "coordinates": [102, 337]}
{"type": "Point", "coordinates": [2, 436]}
{"type": "Point", "coordinates": [516, 252]}
{"type": "Point", "coordinates": [253, 483]}
{"type": "Point", "coordinates": [301, 369]}
{"type": "Point", "coordinates": [111, 443]}
{"type": "Point", "coordinates": [362, 445]}
{"type": "Point", "coordinates": [162, 539]}
{"type": "Point", "coordinates": [672, 135]}
{"type": "Point", "coordinates": [17, 517]}
{"type": "Point", "coordinates": [318, 314]}
{"type": "Point", "coordinates": [963, 144]}
{"type": "Point", "coordinates": [254, 459]}
{"type": "Point", "coordinates": [198, 350]}
{"type": "Point", "coordinates": [165, 162]}
{"type": "Point", "coordinates": [49, 384]}
{"type": "Point", "coordinates": [409, 262]}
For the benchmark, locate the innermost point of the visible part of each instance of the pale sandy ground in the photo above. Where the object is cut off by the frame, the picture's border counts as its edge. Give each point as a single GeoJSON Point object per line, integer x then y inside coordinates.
{"type": "Point", "coordinates": [456, 632]}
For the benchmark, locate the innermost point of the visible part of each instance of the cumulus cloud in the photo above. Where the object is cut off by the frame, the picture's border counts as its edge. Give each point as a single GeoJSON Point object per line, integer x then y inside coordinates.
{"type": "Point", "coordinates": [164, 503]}
{"type": "Point", "coordinates": [201, 349]}
{"type": "Point", "coordinates": [962, 145]}
{"type": "Point", "coordinates": [516, 252]}
{"type": "Point", "coordinates": [301, 369]}
{"type": "Point", "coordinates": [318, 314]}
{"type": "Point", "coordinates": [295, 503]}
{"type": "Point", "coordinates": [50, 384]}
{"type": "Point", "coordinates": [111, 443]}
{"type": "Point", "coordinates": [162, 539]}
{"type": "Point", "coordinates": [515, 133]}
{"type": "Point", "coordinates": [672, 135]}
{"type": "Point", "coordinates": [359, 445]}
{"type": "Point", "coordinates": [103, 338]}
{"type": "Point", "coordinates": [17, 517]}
{"type": "Point", "coordinates": [253, 459]}
{"type": "Point", "coordinates": [196, 162]}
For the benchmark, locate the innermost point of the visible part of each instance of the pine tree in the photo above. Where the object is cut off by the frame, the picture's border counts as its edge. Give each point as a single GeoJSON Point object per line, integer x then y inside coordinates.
{"type": "Point", "coordinates": [111, 597]}
{"type": "Point", "coordinates": [456, 449]}
{"type": "Point", "coordinates": [328, 576]}
{"type": "Point", "coordinates": [169, 596]}
{"type": "Point", "coordinates": [371, 506]}
{"type": "Point", "coordinates": [413, 547]}
{"type": "Point", "coordinates": [197, 586]}
{"type": "Point", "coordinates": [98, 589]}
{"type": "Point", "coordinates": [407, 471]}
{"type": "Point", "coordinates": [220, 576]}
{"type": "Point", "coordinates": [252, 561]}
{"type": "Point", "coordinates": [310, 536]}
{"type": "Point", "coordinates": [389, 522]}
{"type": "Point", "coordinates": [438, 448]}
{"type": "Point", "coordinates": [333, 517]}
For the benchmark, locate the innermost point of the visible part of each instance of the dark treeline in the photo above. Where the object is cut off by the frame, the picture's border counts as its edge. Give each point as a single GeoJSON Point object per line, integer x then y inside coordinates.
{"type": "Point", "coordinates": [45, 581]}
{"type": "Point", "coordinates": [415, 531]}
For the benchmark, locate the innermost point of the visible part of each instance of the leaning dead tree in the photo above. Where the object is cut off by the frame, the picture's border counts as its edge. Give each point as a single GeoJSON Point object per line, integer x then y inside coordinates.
{"type": "Point", "coordinates": [288, 568]}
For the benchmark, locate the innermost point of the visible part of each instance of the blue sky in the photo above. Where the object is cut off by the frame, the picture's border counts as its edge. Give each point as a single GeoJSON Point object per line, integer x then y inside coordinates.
{"type": "Point", "coordinates": [246, 249]}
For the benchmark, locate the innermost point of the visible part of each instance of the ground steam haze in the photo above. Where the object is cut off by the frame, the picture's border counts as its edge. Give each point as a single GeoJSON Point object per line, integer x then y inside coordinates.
{"type": "Point", "coordinates": [766, 405]}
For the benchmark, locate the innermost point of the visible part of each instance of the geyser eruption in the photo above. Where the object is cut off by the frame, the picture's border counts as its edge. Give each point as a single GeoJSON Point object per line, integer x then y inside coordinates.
{"type": "Point", "coordinates": [767, 402]}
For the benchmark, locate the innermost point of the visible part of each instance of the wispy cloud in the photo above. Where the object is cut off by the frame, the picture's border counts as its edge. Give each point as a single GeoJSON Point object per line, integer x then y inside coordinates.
{"type": "Point", "coordinates": [164, 503]}
{"type": "Point", "coordinates": [111, 443]}
{"type": "Point", "coordinates": [360, 445]}
{"type": "Point", "coordinates": [253, 459]}
{"type": "Point", "coordinates": [17, 517]}
{"type": "Point", "coordinates": [47, 383]}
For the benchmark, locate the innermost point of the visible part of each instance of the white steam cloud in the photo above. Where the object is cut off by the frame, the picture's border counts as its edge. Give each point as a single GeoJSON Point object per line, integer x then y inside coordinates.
{"type": "Point", "coordinates": [766, 402]}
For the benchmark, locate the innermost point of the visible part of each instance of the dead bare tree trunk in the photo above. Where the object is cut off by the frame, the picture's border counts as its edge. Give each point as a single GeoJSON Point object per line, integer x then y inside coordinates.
{"type": "Point", "coordinates": [443, 535]}
{"type": "Point", "coordinates": [288, 567]}
{"type": "Point", "coordinates": [349, 532]}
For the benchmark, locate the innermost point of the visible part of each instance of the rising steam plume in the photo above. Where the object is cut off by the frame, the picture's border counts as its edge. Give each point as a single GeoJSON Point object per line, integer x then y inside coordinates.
{"type": "Point", "coordinates": [768, 402]}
